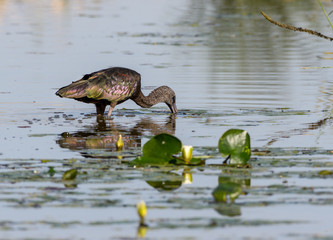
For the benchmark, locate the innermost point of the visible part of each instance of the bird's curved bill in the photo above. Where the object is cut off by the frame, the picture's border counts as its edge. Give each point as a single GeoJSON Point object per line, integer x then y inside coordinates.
{"type": "Point", "coordinates": [173, 108]}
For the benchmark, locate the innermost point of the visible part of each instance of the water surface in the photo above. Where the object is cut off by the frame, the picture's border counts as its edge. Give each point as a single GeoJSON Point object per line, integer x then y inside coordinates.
{"type": "Point", "coordinates": [229, 67]}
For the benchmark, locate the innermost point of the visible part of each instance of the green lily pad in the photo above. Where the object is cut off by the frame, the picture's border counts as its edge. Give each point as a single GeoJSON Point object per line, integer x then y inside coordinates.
{"type": "Point", "coordinates": [192, 162]}
{"type": "Point", "coordinates": [69, 175]}
{"type": "Point", "coordinates": [159, 150]}
{"type": "Point", "coordinates": [235, 143]}
{"type": "Point", "coordinates": [325, 173]}
{"type": "Point", "coordinates": [51, 171]}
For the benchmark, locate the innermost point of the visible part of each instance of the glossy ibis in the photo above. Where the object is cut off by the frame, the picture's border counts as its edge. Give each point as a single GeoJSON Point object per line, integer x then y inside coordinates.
{"type": "Point", "coordinates": [113, 86]}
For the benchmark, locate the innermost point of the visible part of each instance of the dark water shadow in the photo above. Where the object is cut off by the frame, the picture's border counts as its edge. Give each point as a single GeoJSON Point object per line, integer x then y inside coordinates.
{"type": "Point", "coordinates": [99, 140]}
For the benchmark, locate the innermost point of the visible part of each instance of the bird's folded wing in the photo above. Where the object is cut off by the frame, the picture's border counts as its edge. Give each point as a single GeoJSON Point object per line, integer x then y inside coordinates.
{"type": "Point", "coordinates": [109, 90]}
{"type": "Point", "coordinates": [74, 90]}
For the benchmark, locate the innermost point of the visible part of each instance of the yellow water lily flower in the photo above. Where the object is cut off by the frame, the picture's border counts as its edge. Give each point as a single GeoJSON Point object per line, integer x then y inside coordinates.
{"type": "Point", "coordinates": [187, 153]}
{"type": "Point", "coordinates": [142, 210]}
{"type": "Point", "coordinates": [120, 143]}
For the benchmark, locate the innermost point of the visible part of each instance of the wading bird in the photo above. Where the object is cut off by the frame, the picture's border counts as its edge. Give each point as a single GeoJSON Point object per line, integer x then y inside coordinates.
{"type": "Point", "coordinates": [113, 86]}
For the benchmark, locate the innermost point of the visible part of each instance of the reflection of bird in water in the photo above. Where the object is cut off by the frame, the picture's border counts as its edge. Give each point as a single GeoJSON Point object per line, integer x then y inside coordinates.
{"type": "Point", "coordinates": [113, 86]}
{"type": "Point", "coordinates": [145, 124]}
{"type": "Point", "coordinates": [105, 136]}
{"type": "Point", "coordinates": [90, 140]}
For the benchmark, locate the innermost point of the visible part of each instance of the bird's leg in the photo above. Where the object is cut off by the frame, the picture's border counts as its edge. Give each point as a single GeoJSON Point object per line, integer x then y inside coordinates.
{"type": "Point", "coordinates": [100, 108]}
{"type": "Point", "coordinates": [112, 106]}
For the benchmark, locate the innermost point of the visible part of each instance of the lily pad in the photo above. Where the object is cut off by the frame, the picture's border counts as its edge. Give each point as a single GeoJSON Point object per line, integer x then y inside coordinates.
{"type": "Point", "coordinates": [159, 150]}
{"type": "Point", "coordinates": [51, 171]}
{"type": "Point", "coordinates": [192, 162]}
{"type": "Point", "coordinates": [235, 144]}
{"type": "Point", "coordinates": [69, 175]}
{"type": "Point", "coordinates": [325, 173]}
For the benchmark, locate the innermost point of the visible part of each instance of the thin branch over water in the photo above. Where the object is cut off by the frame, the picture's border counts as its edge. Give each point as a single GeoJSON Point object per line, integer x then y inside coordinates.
{"type": "Point", "coordinates": [297, 29]}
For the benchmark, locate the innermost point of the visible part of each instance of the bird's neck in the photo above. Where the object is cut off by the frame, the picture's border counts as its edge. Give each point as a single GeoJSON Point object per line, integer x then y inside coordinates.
{"type": "Point", "coordinates": [156, 96]}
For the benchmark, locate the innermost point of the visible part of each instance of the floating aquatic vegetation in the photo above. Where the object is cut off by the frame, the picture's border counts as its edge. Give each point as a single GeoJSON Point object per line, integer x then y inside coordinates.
{"type": "Point", "coordinates": [51, 171]}
{"type": "Point", "coordinates": [162, 149]}
{"type": "Point", "coordinates": [159, 150]}
{"type": "Point", "coordinates": [120, 143]}
{"type": "Point", "coordinates": [325, 173]}
{"type": "Point", "coordinates": [68, 178]}
{"type": "Point", "coordinates": [142, 212]}
{"type": "Point", "coordinates": [235, 145]}
{"type": "Point", "coordinates": [69, 175]}
{"type": "Point", "coordinates": [187, 153]}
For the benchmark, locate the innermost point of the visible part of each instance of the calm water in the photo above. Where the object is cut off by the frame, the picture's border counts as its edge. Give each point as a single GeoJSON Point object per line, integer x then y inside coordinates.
{"type": "Point", "coordinates": [229, 67]}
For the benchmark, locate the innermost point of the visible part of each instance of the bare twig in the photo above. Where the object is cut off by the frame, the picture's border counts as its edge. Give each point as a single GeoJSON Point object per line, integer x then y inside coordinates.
{"type": "Point", "coordinates": [297, 29]}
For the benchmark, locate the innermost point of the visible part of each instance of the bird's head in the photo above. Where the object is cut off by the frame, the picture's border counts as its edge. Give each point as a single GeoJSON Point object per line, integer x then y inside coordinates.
{"type": "Point", "coordinates": [163, 94]}
{"type": "Point", "coordinates": [170, 99]}
{"type": "Point", "coordinates": [172, 104]}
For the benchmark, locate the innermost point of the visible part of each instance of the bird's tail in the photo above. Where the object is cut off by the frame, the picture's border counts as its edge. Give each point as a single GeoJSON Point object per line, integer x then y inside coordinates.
{"type": "Point", "coordinates": [74, 90]}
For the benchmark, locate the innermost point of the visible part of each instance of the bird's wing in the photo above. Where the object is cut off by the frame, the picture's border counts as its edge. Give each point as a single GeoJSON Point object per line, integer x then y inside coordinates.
{"type": "Point", "coordinates": [74, 90]}
{"type": "Point", "coordinates": [78, 88]}
{"type": "Point", "coordinates": [112, 85]}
